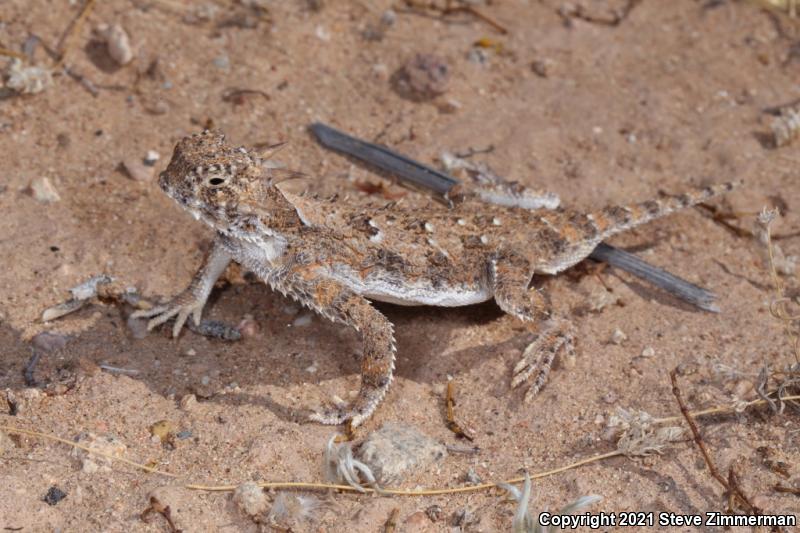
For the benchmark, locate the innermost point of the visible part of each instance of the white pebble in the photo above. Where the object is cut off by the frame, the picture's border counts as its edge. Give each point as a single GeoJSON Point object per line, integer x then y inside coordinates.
{"type": "Point", "coordinates": [117, 42]}
{"type": "Point", "coordinates": [44, 191]}
{"type": "Point", "coordinates": [648, 352]}
{"type": "Point", "coordinates": [618, 336]}
{"type": "Point", "coordinates": [151, 157]}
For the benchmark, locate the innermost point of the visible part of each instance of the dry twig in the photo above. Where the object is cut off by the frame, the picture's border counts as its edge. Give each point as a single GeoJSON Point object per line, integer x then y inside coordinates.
{"type": "Point", "coordinates": [698, 439]}
{"type": "Point", "coordinates": [164, 510]}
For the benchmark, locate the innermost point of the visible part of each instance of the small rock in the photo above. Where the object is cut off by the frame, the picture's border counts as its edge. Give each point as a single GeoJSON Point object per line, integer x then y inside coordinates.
{"type": "Point", "coordinates": [185, 434]}
{"type": "Point", "coordinates": [151, 158]}
{"type": "Point", "coordinates": [164, 430]}
{"type": "Point", "coordinates": [610, 397]}
{"type": "Point", "coordinates": [648, 352]}
{"type": "Point", "coordinates": [108, 445]}
{"type": "Point", "coordinates": [302, 320]}
{"type": "Point", "coordinates": [222, 62]}
{"type": "Point", "coordinates": [396, 449]}
{"type": "Point", "coordinates": [188, 402]}
{"type": "Point", "coordinates": [117, 42]}
{"type": "Point", "coordinates": [541, 67]}
{"type": "Point", "coordinates": [389, 17]}
{"type": "Point", "coordinates": [44, 191]}
{"type": "Point", "coordinates": [322, 34]}
{"type": "Point", "coordinates": [425, 76]}
{"type": "Point", "coordinates": [248, 327]}
{"type": "Point", "coordinates": [435, 513]}
{"type": "Point", "coordinates": [54, 495]}
{"type": "Point", "coordinates": [618, 336]}
{"type": "Point", "coordinates": [138, 170]}
{"type": "Point", "coordinates": [250, 499]}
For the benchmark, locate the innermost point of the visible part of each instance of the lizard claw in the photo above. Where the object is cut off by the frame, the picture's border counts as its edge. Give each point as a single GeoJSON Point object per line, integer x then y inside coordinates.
{"type": "Point", "coordinates": [555, 336]}
{"type": "Point", "coordinates": [180, 307]}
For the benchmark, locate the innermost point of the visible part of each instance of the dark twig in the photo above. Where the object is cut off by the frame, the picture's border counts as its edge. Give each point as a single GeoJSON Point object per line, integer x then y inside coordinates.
{"type": "Point", "coordinates": [450, 403]}
{"type": "Point", "coordinates": [391, 523]}
{"type": "Point", "coordinates": [164, 510]}
{"type": "Point", "coordinates": [786, 490]}
{"type": "Point", "coordinates": [698, 439]}
{"type": "Point", "coordinates": [65, 43]}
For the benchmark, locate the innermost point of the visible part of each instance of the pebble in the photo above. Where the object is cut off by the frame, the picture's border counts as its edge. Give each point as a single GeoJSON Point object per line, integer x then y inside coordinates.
{"type": "Point", "coordinates": [302, 320]}
{"type": "Point", "coordinates": [117, 42]}
{"type": "Point", "coordinates": [43, 191]}
{"type": "Point", "coordinates": [395, 450]}
{"type": "Point", "coordinates": [435, 513]}
{"type": "Point", "coordinates": [54, 495]}
{"type": "Point", "coordinates": [222, 62]}
{"type": "Point", "coordinates": [151, 158]}
{"type": "Point", "coordinates": [250, 499]}
{"type": "Point", "coordinates": [648, 352]}
{"type": "Point", "coordinates": [618, 336]}
{"type": "Point", "coordinates": [105, 444]}
{"type": "Point", "coordinates": [138, 170]}
{"type": "Point", "coordinates": [188, 402]}
{"type": "Point", "coordinates": [163, 429]}
{"type": "Point", "coordinates": [426, 75]}
{"type": "Point", "coordinates": [389, 17]}
{"type": "Point", "coordinates": [248, 327]}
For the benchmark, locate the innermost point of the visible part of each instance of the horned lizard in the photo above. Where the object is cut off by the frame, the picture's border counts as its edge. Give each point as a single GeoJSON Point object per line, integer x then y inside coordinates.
{"type": "Point", "coordinates": [335, 259]}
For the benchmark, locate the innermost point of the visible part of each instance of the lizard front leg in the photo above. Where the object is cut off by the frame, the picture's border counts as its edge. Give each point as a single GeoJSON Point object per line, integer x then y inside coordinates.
{"type": "Point", "coordinates": [191, 300]}
{"type": "Point", "coordinates": [510, 274]}
{"type": "Point", "coordinates": [338, 303]}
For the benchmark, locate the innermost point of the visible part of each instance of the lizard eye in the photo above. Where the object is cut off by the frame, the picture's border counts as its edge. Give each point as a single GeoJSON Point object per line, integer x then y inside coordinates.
{"type": "Point", "coordinates": [216, 181]}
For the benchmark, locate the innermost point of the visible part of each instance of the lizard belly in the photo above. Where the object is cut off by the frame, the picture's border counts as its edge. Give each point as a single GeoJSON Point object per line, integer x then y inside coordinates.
{"type": "Point", "coordinates": [422, 296]}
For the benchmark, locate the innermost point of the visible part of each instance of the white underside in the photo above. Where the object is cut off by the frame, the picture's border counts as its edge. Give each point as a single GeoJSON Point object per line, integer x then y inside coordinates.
{"type": "Point", "coordinates": [411, 296]}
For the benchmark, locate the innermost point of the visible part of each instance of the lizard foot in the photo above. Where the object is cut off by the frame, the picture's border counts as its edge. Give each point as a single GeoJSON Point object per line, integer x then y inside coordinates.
{"type": "Point", "coordinates": [180, 307]}
{"type": "Point", "coordinates": [555, 336]}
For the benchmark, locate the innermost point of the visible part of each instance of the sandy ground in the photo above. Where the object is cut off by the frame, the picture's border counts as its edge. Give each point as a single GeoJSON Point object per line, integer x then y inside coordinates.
{"type": "Point", "coordinates": [673, 95]}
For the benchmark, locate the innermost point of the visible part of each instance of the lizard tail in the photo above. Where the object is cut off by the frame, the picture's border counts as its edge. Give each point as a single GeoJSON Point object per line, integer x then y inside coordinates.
{"type": "Point", "coordinates": [614, 219]}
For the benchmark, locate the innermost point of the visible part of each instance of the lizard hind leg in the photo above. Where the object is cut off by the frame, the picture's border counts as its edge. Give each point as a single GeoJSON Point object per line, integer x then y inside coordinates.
{"type": "Point", "coordinates": [510, 276]}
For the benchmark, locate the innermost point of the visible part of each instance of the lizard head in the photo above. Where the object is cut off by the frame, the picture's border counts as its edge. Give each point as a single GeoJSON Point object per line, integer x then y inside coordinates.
{"type": "Point", "coordinates": [213, 180]}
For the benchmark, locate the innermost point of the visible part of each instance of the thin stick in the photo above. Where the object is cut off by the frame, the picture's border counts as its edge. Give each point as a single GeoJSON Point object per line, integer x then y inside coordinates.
{"type": "Point", "coordinates": [717, 410]}
{"type": "Point", "coordinates": [12, 53]}
{"type": "Point", "coordinates": [30, 433]}
{"type": "Point", "coordinates": [402, 492]}
{"type": "Point", "coordinates": [698, 439]}
{"type": "Point", "coordinates": [65, 44]}
{"type": "Point", "coordinates": [786, 490]}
